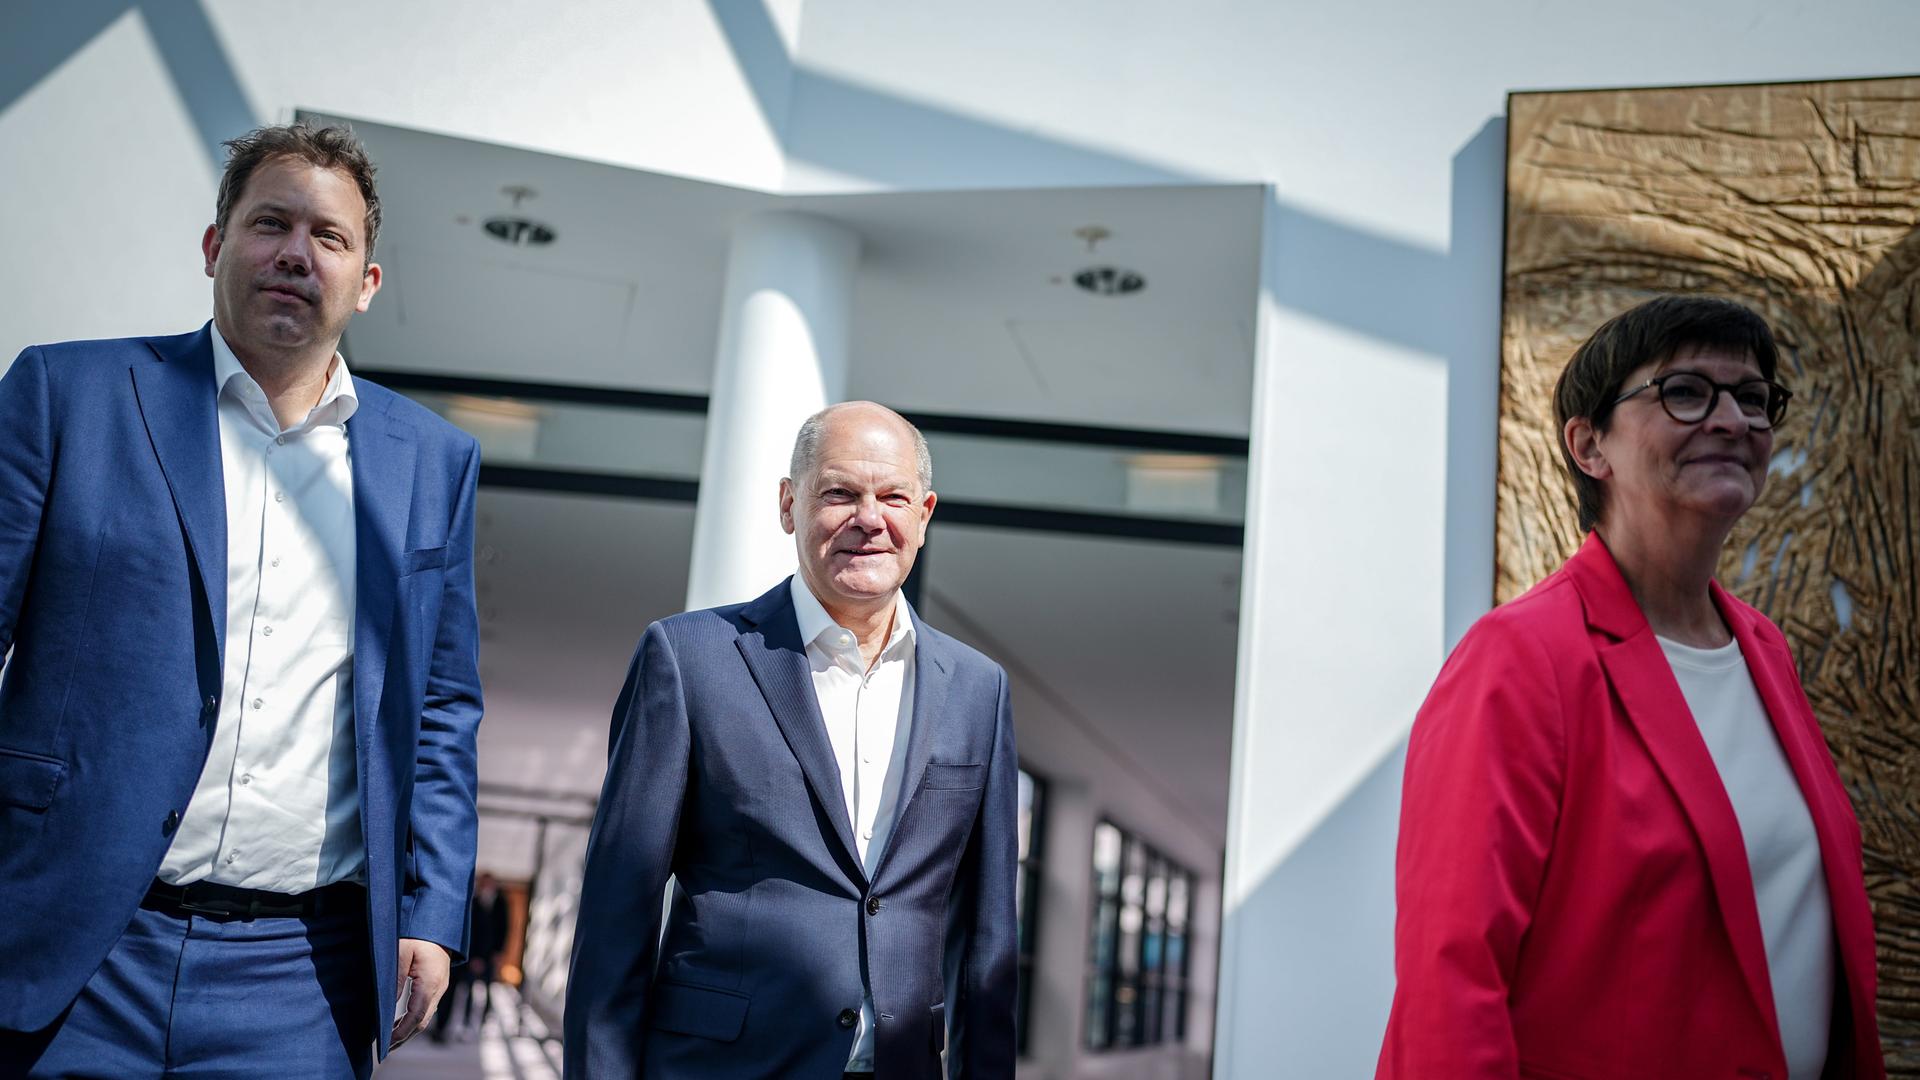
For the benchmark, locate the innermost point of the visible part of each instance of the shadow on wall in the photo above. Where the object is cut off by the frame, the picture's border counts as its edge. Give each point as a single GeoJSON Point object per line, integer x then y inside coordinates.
{"type": "Point", "coordinates": [41, 37]}
{"type": "Point", "coordinates": [1326, 913]}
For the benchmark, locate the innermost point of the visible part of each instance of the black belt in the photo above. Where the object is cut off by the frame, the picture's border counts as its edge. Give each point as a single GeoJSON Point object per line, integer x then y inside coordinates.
{"type": "Point", "coordinates": [228, 902]}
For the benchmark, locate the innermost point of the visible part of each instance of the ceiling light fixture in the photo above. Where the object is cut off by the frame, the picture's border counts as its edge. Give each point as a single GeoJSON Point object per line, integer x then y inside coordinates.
{"type": "Point", "coordinates": [515, 229]}
{"type": "Point", "coordinates": [1109, 281]}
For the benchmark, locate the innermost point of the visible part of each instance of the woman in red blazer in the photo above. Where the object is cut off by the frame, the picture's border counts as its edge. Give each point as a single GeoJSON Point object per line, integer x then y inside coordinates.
{"type": "Point", "coordinates": [1624, 849]}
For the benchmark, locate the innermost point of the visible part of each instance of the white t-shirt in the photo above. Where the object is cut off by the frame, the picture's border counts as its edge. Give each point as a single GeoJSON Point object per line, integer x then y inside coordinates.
{"type": "Point", "coordinates": [1783, 851]}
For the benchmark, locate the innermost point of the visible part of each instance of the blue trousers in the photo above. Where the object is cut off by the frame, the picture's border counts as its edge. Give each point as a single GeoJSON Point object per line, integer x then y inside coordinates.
{"type": "Point", "coordinates": [205, 998]}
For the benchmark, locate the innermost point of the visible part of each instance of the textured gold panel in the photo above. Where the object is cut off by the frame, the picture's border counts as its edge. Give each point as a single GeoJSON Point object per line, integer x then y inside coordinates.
{"type": "Point", "coordinates": [1802, 201]}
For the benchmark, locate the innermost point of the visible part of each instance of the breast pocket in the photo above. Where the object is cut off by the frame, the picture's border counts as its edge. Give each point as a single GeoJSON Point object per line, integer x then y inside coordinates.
{"type": "Point", "coordinates": [953, 777]}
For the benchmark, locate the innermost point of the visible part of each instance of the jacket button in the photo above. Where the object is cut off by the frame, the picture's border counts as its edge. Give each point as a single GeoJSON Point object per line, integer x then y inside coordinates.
{"type": "Point", "coordinates": [873, 905]}
{"type": "Point", "coordinates": [208, 709]}
{"type": "Point", "coordinates": [848, 1018]}
{"type": "Point", "coordinates": [172, 823]}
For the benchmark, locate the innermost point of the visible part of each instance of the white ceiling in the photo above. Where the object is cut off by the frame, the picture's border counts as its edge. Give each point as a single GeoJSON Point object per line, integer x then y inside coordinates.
{"type": "Point", "coordinates": [964, 302]}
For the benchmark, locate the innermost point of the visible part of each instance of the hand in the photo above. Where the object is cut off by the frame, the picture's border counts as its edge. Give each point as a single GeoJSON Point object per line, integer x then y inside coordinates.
{"type": "Point", "coordinates": [428, 965]}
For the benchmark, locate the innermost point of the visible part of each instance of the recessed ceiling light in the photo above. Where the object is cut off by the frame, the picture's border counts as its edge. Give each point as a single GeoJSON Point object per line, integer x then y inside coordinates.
{"type": "Point", "coordinates": [518, 231]}
{"type": "Point", "coordinates": [1109, 281]}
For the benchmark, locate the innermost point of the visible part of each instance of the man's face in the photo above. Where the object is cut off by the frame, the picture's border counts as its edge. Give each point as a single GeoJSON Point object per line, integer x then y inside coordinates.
{"type": "Point", "coordinates": [859, 516]}
{"type": "Point", "coordinates": [290, 268]}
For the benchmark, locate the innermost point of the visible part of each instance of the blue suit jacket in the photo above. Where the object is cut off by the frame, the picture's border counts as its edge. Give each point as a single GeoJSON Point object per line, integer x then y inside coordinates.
{"type": "Point", "coordinates": [721, 774]}
{"type": "Point", "coordinates": [113, 582]}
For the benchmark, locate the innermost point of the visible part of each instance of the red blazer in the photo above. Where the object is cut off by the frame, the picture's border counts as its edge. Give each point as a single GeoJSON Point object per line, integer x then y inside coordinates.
{"type": "Point", "coordinates": [1574, 896]}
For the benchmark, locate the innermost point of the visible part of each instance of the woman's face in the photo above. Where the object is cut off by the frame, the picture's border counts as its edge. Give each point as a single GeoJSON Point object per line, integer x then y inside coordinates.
{"type": "Point", "coordinates": [1658, 468]}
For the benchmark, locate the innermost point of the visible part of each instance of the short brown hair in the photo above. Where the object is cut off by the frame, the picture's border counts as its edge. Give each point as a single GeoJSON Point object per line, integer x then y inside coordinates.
{"type": "Point", "coordinates": [1647, 334]}
{"type": "Point", "coordinates": [333, 146]}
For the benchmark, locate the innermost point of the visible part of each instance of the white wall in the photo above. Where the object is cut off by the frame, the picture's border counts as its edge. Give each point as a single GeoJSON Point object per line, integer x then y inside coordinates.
{"type": "Point", "coordinates": [111, 114]}
{"type": "Point", "coordinates": [1375, 121]}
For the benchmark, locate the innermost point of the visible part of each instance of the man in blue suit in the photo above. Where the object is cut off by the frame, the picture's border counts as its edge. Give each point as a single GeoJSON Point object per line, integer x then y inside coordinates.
{"type": "Point", "coordinates": [831, 784]}
{"type": "Point", "coordinates": [237, 728]}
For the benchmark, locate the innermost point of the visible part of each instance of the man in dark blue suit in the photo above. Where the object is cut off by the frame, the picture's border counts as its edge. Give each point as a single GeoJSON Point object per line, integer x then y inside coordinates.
{"type": "Point", "coordinates": [831, 783]}
{"type": "Point", "coordinates": [237, 727]}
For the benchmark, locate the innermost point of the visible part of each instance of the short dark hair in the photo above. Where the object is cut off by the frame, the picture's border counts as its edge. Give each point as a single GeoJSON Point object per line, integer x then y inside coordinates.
{"type": "Point", "coordinates": [333, 146]}
{"type": "Point", "coordinates": [1647, 334]}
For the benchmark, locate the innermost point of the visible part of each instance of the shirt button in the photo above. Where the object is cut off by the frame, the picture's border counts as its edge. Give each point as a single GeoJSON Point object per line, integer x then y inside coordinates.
{"type": "Point", "coordinates": [172, 823]}
{"type": "Point", "coordinates": [873, 902]}
{"type": "Point", "coordinates": [279, 496]}
{"type": "Point", "coordinates": [280, 440]}
{"type": "Point", "coordinates": [268, 632]}
{"type": "Point", "coordinates": [257, 703]}
{"type": "Point", "coordinates": [245, 779]}
{"type": "Point", "coordinates": [275, 562]}
{"type": "Point", "coordinates": [847, 1018]}
{"type": "Point", "coordinates": [232, 857]}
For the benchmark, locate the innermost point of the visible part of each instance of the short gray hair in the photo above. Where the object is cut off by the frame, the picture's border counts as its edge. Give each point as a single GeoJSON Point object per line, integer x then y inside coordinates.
{"type": "Point", "coordinates": [806, 445]}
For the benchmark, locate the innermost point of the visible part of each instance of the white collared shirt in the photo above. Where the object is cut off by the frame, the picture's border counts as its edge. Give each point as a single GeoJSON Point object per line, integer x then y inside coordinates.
{"type": "Point", "coordinates": [277, 806]}
{"type": "Point", "coordinates": [1783, 850]}
{"type": "Point", "coordinates": [869, 715]}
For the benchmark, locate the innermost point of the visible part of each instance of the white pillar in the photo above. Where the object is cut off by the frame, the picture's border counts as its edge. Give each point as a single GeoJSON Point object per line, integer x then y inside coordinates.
{"type": "Point", "coordinates": [782, 357]}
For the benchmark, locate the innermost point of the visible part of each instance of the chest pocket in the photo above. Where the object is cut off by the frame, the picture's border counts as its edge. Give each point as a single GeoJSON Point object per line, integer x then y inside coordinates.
{"type": "Point", "coordinates": [953, 777]}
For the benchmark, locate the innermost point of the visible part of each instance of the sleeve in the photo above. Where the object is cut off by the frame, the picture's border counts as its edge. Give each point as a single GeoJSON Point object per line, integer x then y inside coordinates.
{"type": "Point", "coordinates": [1485, 768]}
{"type": "Point", "coordinates": [444, 821]}
{"type": "Point", "coordinates": [629, 858]}
{"type": "Point", "coordinates": [26, 471]}
{"type": "Point", "coordinates": [983, 943]}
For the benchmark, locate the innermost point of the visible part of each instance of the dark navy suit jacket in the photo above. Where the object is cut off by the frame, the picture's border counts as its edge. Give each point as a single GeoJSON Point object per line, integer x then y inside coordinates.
{"type": "Point", "coordinates": [113, 580]}
{"type": "Point", "coordinates": [720, 773]}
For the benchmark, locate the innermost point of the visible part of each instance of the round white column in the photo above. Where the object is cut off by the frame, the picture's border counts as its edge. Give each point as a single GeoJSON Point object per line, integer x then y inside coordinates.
{"type": "Point", "coordinates": [782, 357]}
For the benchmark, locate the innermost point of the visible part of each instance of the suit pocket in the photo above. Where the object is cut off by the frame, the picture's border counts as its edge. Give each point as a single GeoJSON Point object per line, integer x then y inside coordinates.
{"type": "Point", "coordinates": [29, 780]}
{"type": "Point", "coordinates": [953, 776]}
{"type": "Point", "coordinates": [701, 1011]}
{"type": "Point", "coordinates": [426, 559]}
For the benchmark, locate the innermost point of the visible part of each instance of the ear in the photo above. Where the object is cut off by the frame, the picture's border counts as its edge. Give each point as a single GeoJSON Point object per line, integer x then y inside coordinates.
{"type": "Point", "coordinates": [210, 246]}
{"type": "Point", "coordinates": [926, 514]}
{"type": "Point", "coordinates": [1583, 442]}
{"type": "Point", "coordinates": [369, 284]}
{"type": "Point", "coordinates": [786, 506]}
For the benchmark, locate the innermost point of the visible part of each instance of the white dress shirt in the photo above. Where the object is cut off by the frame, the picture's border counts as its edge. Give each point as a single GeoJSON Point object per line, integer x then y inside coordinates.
{"type": "Point", "coordinates": [869, 714]}
{"type": "Point", "coordinates": [277, 806]}
{"type": "Point", "coordinates": [1789, 880]}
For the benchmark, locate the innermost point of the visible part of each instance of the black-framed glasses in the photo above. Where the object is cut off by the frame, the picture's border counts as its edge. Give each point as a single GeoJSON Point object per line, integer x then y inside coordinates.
{"type": "Point", "coordinates": [1691, 397]}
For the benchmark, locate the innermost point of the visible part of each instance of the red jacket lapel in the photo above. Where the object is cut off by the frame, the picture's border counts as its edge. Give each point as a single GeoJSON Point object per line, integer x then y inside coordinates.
{"type": "Point", "coordinates": [1771, 666]}
{"type": "Point", "coordinates": [1643, 680]}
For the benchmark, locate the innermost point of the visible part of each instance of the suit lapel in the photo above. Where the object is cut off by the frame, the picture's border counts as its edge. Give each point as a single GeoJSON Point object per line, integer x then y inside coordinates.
{"type": "Point", "coordinates": [932, 678]}
{"type": "Point", "coordinates": [1772, 669]}
{"type": "Point", "coordinates": [778, 660]}
{"type": "Point", "coordinates": [179, 405]}
{"type": "Point", "coordinates": [381, 454]}
{"type": "Point", "coordinates": [1643, 679]}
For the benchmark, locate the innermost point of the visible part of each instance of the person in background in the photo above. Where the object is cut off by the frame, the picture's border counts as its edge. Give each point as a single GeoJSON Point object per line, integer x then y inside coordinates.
{"type": "Point", "coordinates": [474, 979]}
{"type": "Point", "coordinates": [1624, 848]}
{"type": "Point", "coordinates": [237, 732]}
{"type": "Point", "coordinates": [831, 783]}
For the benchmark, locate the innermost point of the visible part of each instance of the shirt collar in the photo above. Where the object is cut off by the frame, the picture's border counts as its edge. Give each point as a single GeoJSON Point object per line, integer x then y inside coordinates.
{"type": "Point", "coordinates": [229, 377]}
{"type": "Point", "coordinates": [814, 620]}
